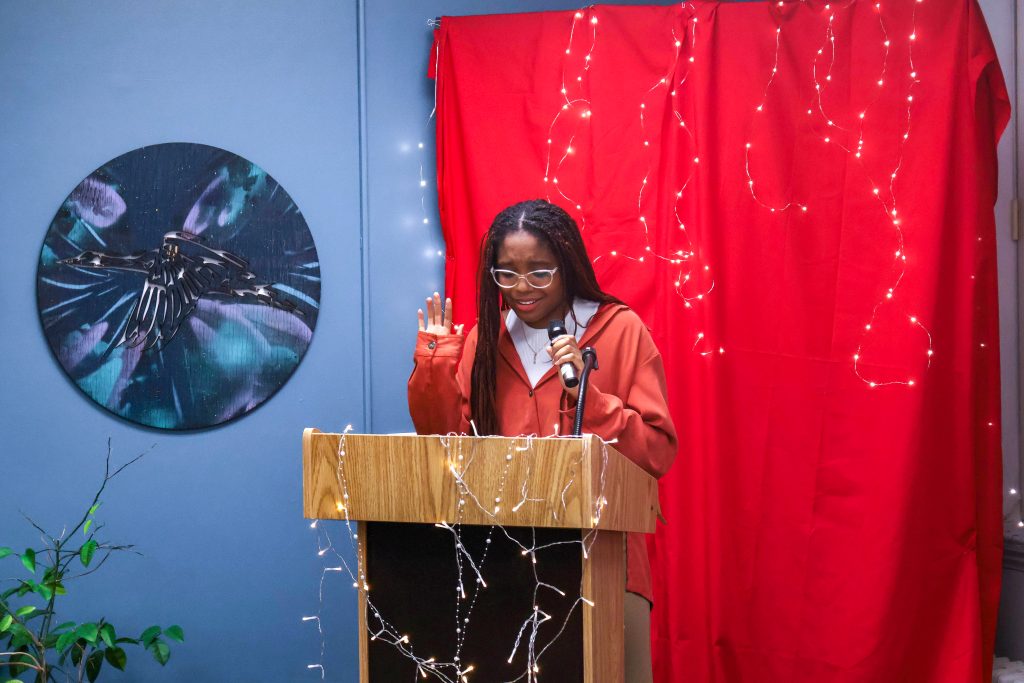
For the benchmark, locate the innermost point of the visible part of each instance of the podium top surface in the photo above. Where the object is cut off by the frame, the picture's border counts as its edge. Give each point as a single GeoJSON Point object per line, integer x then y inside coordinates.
{"type": "Point", "coordinates": [579, 483]}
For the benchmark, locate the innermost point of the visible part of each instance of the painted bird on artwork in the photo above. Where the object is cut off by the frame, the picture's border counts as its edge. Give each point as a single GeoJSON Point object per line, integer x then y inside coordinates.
{"type": "Point", "coordinates": [180, 272]}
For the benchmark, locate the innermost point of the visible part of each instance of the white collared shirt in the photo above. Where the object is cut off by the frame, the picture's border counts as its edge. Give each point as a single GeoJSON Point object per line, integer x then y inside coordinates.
{"type": "Point", "coordinates": [530, 342]}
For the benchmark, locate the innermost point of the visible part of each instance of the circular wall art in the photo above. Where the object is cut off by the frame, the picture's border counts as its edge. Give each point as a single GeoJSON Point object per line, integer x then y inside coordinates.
{"type": "Point", "coordinates": [179, 286]}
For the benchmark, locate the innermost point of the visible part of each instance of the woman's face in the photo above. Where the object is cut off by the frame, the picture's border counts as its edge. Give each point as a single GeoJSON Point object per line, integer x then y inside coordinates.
{"type": "Point", "coordinates": [522, 252]}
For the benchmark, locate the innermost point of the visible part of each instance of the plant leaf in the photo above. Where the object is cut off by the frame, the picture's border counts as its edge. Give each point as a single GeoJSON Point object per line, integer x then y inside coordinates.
{"type": "Point", "coordinates": [93, 665]}
{"type": "Point", "coordinates": [175, 633]}
{"type": "Point", "coordinates": [161, 652]}
{"type": "Point", "coordinates": [65, 640]}
{"type": "Point", "coordinates": [28, 558]}
{"type": "Point", "coordinates": [149, 635]}
{"type": "Point", "coordinates": [26, 610]}
{"type": "Point", "coordinates": [20, 636]}
{"type": "Point", "coordinates": [117, 657]}
{"type": "Point", "coordinates": [6, 622]}
{"type": "Point", "coordinates": [66, 624]}
{"type": "Point", "coordinates": [85, 529]}
{"type": "Point", "coordinates": [77, 650]}
{"type": "Point", "coordinates": [88, 632]}
{"type": "Point", "coordinates": [94, 508]}
{"type": "Point", "coordinates": [107, 634]}
{"type": "Point", "coordinates": [87, 551]}
{"type": "Point", "coordinates": [5, 551]}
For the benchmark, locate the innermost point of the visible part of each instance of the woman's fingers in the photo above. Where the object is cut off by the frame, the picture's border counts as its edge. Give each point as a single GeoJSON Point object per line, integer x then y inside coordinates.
{"type": "Point", "coordinates": [438, 318]}
{"type": "Point", "coordinates": [438, 311]}
{"type": "Point", "coordinates": [566, 341]}
{"type": "Point", "coordinates": [564, 350]}
{"type": "Point", "coordinates": [563, 358]}
{"type": "Point", "coordinates": [447, 312]}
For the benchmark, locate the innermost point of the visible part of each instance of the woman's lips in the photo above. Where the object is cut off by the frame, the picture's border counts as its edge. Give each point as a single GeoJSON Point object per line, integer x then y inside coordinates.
{"type": "Point", "coordinates": [526, 305]}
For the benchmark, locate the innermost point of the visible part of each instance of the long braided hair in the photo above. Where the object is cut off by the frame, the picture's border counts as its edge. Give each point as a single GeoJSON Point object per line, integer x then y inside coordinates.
{"type": "Point", "coordinates": [551, 226]}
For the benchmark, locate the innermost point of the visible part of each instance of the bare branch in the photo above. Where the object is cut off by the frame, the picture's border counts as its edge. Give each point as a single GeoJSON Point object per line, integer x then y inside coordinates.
{"type": "Point", "coordinates": [40, 529]}
{"type": "Point", "coordinates": [110, 552]}
{"type": "Point", "coordinates": [107, 476]}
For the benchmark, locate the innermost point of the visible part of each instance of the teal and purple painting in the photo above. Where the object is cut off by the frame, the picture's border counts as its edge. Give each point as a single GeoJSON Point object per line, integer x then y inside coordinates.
{"type": "Point", "coordinates": [179, 286]}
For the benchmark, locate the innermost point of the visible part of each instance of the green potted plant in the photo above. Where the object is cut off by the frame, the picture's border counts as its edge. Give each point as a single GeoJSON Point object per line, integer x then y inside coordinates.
{"type": "Point", "coordinates": [35, 645]}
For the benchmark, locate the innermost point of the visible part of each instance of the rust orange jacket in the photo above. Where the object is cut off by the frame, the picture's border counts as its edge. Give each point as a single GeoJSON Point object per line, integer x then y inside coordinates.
{"type": "Point", "coordinates": [626, 399]}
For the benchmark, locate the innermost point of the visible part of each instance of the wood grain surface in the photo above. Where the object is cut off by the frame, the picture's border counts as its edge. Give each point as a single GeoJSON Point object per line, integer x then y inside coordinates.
{"type": "Point", "coordinates": [540, 482]}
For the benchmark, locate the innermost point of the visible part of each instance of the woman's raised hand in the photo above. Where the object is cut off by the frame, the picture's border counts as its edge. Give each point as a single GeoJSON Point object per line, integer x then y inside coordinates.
{"type": "Point", "coordinates": [438, 319]}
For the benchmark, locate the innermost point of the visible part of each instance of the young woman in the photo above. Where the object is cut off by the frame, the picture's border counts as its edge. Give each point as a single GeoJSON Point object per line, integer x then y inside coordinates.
{"type": "Point", "coordinates": [503, 375]}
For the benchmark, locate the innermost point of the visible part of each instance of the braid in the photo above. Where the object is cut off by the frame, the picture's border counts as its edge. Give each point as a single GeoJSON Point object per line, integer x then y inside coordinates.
{"type": "Point", "coordinates": [551, 225]}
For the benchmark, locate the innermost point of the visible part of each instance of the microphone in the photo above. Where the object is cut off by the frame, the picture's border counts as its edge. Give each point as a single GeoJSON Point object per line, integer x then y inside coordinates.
{"type": "Point", "coordinates": [556, 328]}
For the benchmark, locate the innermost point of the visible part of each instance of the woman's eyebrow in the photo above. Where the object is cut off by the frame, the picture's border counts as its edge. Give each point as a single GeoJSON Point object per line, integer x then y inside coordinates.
{"type": "Point", "coordinates": [506, 264]}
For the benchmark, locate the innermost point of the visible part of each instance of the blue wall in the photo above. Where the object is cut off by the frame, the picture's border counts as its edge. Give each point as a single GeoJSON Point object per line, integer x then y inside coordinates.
{"type": "Point", "coordinates": [329, 97]}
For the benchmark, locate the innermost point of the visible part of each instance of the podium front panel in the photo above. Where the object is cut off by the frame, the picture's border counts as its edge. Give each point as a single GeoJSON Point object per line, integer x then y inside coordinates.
{"type": "Point", "coordinates": [413, 577]}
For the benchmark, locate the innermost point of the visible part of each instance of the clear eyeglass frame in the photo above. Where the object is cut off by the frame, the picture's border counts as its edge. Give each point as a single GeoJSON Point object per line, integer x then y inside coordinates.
{"type": "Point", "coordinates": [544, 275]}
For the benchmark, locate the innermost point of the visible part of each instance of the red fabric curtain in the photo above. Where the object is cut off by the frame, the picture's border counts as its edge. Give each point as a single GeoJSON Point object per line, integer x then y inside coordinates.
{"type": "Point", "coordinates": [797, 199]}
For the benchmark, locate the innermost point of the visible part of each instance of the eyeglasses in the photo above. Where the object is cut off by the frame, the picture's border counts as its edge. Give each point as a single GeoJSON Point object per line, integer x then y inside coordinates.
{"type": "Point", "coordinates": [539, 279]}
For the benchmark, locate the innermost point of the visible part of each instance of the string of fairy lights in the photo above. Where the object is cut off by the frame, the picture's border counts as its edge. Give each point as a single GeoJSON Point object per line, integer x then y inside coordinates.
{"type": "Point", "coordinates": [531, 638]}
{"type": "Point", "coordinates": [576, 105]}
{"type": "Point", "coordinates": [829, 127]}
{"type": "Point", "coordinates": [691, 275]}
{"type": "Point", "coordinates": [687, 262]}
{"type": "Point", "coordinates": [887, 200]}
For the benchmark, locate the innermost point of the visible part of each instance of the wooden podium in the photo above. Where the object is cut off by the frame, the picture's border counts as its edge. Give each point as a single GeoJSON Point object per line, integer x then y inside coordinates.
{"type": "Point", "coordinates": [542, 491]}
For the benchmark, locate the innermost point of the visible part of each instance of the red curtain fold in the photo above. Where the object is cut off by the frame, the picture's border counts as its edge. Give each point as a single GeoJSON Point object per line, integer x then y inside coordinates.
{"type": "Point", "coordinates": [834, 512]}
